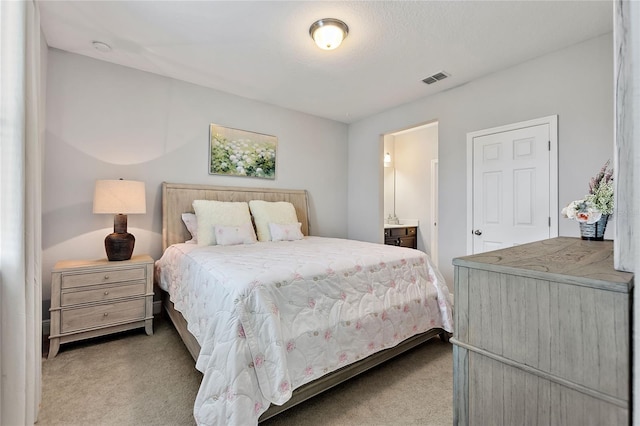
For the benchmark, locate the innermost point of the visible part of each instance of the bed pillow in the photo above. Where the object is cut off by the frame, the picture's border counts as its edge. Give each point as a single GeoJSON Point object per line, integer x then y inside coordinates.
{"type": "Point", "coordinates": [210, 213]}
{"type": "Point", "coordinates": [285, 232]}
{"type": "Point", "coordinates": [266, 212]}
{"type": "Point", "coordinates": [191, 223]}
{"type": "Point", "coordinates": [232, 235]}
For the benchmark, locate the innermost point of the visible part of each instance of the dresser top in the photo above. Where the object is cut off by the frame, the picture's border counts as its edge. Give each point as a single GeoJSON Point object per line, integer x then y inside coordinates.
{"type": "Point", "coordinates": [564, 259]}
{"type": "Point", "coordinates": [73, 264]}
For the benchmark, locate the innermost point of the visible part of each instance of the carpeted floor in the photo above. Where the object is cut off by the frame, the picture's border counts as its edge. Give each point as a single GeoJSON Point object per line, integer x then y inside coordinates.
{"type": "Point", "coordinates": [135, 379]}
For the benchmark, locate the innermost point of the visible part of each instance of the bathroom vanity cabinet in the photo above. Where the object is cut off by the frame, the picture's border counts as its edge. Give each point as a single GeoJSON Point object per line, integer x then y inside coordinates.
{"type": "Point", "coordinates": [400, 235]}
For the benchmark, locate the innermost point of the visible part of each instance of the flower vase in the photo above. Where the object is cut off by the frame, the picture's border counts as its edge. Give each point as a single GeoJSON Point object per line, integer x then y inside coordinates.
{"type": "Point", "coordinates": [594, 231]}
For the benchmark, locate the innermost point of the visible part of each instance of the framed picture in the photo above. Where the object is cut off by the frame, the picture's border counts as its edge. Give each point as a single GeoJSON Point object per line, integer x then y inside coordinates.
{"type": "Point", "coordinates": [235, 152]}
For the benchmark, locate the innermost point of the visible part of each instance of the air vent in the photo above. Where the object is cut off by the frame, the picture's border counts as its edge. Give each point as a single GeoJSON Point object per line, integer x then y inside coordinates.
{"type": "Point", "coordinates": [436, 77]}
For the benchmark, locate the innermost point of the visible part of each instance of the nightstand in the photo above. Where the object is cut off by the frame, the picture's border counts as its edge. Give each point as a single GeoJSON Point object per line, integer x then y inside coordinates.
{"type": "Point", "coordinates": [91, 298]}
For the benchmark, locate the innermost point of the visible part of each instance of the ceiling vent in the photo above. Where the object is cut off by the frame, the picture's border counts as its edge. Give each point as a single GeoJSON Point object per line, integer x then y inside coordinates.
{"type": "Point", "coordinates": [436, 77]}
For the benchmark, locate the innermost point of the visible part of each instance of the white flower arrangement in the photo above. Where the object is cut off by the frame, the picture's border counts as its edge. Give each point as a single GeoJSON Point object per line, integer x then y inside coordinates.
{"type": "Point", "coordinates": [597, 203]}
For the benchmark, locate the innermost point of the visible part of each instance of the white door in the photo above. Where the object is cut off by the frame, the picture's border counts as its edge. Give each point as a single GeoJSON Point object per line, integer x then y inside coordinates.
{"type": "Point", "coordinates": [514, 185]}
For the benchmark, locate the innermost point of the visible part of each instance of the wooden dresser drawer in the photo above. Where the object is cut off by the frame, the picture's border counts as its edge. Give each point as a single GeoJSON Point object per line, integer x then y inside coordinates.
{"type": "Point", "coordinates": [101, 315]}
{"type": "Point", "coordinates": [102, 294]}
{"type": "Point", "coordinates": [103, 277]}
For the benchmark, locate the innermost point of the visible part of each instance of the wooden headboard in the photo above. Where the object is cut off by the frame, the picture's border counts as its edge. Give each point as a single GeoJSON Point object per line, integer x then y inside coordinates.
{"type": "Point", "coordinates": [177, 198]}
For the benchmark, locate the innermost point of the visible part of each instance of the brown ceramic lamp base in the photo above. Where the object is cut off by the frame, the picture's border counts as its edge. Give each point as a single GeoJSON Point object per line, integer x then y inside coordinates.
{"type": "Point", "coordinates": [119, 245]}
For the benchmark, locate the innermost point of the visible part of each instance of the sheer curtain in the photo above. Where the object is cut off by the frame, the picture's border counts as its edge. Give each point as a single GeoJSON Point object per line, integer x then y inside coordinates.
{"type": "Point", "coordinates": [21, 119]}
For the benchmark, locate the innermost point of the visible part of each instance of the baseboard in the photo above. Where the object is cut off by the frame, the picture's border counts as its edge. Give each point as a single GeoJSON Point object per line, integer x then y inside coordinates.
{"type": "Point", "coordinates": [46, 324]}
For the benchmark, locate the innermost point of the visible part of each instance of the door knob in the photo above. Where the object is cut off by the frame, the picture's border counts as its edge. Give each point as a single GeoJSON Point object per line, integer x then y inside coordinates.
{"type": "Point", "coordinates": [477, 232]}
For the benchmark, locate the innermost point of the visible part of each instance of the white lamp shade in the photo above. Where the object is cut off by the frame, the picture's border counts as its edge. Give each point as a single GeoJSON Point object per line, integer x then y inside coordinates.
{"type": "Point", "coordinates": [119, 197]}
{"type": "Point", "coordinates": [328, 33]}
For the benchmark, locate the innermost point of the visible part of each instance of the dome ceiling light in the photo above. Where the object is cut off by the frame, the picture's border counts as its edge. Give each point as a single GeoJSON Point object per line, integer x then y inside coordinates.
{"type": "Point", "coordinates": [328, 33]}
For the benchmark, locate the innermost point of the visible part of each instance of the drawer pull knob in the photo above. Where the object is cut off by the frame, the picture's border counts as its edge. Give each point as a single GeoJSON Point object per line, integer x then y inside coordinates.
{"type": "Point", "coordinates": [106, 314]}
{"type": "Point", "coordinates": [106, 277]}
{"type": "Point", "coordinates": [106, 293]}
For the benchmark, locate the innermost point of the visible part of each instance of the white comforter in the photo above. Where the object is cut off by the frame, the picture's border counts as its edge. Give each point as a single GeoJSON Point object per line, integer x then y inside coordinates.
{"type": "Point", "coordinates": [270, 317]}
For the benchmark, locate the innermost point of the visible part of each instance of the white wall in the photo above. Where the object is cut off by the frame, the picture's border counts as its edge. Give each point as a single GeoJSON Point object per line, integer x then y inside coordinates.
{"type": "Point", "coordinates": [574, 83]}
{"type": "Point", "coordinates": [414, 151]}
{"type": "Point", "coordinates": [106, 121]}
{"type": "Point", "coordinates": [389, 172]}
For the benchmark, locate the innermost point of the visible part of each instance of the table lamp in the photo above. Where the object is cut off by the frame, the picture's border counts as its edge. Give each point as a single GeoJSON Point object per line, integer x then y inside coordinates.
{"type": "Point", "coordinates": [120, 198]}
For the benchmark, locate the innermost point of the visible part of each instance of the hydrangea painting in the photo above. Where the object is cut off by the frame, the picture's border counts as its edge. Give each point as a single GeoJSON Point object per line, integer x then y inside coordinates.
{"type": "Point", "coordinates": [241, 153]}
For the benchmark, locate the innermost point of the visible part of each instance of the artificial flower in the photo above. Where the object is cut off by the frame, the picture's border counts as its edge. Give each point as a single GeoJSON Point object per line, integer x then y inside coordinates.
{"type": "Point", "coordinates": [598, 202]}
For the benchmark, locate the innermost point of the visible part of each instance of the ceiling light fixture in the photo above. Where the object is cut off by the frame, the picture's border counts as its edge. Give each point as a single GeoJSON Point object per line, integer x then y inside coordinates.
{"type": "Point", "coordinates": [328, 33]}
{"type": "Point", "coordinates": [101, 47]}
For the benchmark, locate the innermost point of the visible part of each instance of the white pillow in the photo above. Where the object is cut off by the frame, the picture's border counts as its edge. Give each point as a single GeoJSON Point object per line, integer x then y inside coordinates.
{"type": "Point", "coordinates": [285, 232]}
{"type": "Point", "coordinates": [232, 235]}
{"type": "Point", "coordinates": [265, 212]}
{"type": "Point", "coordinates": [191, 223]}
{"type": "Point", "coordinates": [210, 213]}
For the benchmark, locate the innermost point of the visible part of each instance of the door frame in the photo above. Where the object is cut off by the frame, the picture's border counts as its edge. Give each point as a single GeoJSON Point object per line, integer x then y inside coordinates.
{"type": "Point", "coordinates": [552, 121]}
{"type": "Point", "coordinates": [434, 211]}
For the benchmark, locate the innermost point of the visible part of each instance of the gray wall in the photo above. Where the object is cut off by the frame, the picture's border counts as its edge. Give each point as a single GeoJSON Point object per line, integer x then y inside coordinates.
{"type": "Point", "coordinates": [575, 83]}
{"type": "Point", "coordinates": [105, 121]}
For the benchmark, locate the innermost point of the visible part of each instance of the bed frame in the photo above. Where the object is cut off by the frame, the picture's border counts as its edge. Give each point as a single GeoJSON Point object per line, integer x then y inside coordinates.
{"type": "Point", "coordinates": [178, 199]}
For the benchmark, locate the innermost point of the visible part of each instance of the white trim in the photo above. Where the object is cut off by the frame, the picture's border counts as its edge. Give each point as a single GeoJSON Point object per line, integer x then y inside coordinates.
{"type": "Point", "coordinates": [434, 211]}
{"type": "Point", "coordinates": [552, 121]}
{"type": "Point", "coordinates": [414, 128]}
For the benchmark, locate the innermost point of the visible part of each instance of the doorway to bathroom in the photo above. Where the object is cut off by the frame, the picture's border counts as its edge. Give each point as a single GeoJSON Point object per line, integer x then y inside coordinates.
{"type": "Point", "coordinates": [410, 182]}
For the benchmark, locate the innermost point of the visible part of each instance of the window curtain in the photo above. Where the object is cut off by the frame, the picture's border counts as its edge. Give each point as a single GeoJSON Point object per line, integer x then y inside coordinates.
{"type": "Point", "coordinates": [21, 119]}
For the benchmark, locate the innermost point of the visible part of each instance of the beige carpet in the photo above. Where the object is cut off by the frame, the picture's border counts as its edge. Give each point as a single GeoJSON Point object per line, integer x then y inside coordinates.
{"type": "Point", "coordinates": [135, 379]}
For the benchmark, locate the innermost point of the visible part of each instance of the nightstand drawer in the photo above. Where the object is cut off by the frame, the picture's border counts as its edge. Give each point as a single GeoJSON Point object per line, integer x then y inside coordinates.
{"type": "Point", "coordinates": [103, 277]}
{"type": "Point", "coordinates": [101, 315]}
{"type": "Point", "coordinates": [102, 294]}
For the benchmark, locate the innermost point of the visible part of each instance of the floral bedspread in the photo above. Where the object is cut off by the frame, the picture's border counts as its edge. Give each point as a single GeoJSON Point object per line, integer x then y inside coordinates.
{"type": "Point", "coordinates": [272, 316]}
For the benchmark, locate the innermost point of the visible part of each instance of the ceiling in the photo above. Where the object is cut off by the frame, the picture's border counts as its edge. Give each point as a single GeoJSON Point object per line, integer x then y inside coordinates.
{"type": "Point", "coordinates": [262, 50]}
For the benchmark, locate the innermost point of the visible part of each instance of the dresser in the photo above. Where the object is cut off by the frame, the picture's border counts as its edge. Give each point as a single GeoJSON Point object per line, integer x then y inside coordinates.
{"type": "Point", "coordinates": [542, 336]}
{"type": "Point", "coordinates": [402, 236]}
{"type": "Point", "coordinates": [91, 298]}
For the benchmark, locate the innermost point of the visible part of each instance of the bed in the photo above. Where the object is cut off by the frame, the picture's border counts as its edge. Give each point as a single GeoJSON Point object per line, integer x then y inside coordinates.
{"type": "Point", "coordinates": [284, 325]}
